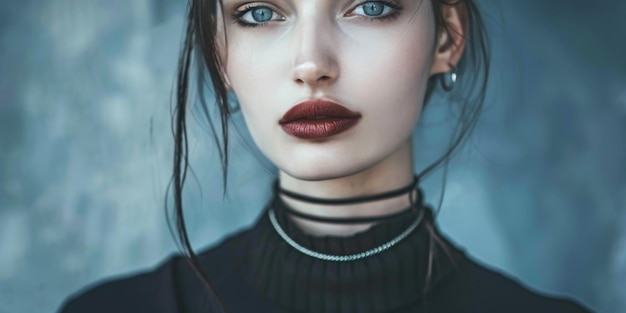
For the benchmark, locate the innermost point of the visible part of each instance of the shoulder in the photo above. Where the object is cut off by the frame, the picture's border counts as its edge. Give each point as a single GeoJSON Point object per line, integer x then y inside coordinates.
{"type": "Point", "coordinates": [140, 292]}
{"type": "Point", "coordinates": [488, 290]}
{"type": "Point", "coordinates": [172, 286]}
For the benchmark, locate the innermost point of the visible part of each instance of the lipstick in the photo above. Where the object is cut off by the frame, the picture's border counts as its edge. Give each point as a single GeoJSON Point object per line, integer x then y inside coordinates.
{"type": "Point", "coordinates": [317, 119]}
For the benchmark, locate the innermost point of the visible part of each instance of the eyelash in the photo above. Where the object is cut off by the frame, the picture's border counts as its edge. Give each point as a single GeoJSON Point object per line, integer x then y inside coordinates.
{"type": "Point", "coordinates": [237, 16]}
{"type": "Point", "coordinates": [389, 16]}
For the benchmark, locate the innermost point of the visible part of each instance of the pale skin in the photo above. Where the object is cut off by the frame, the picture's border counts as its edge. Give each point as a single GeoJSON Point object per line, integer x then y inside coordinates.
{"type": "Point", "coordinates": [336, 49]}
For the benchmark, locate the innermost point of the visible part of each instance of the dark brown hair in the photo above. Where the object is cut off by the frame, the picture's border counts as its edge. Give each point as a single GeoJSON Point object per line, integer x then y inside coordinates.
{"type": "Point", "coordinates": [199, 53]}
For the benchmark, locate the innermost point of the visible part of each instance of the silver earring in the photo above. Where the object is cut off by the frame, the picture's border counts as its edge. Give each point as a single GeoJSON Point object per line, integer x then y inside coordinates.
{"type": "Point", "coordinates": [233, 103]}
{"type": "Point", "coordinates": [448, 80]}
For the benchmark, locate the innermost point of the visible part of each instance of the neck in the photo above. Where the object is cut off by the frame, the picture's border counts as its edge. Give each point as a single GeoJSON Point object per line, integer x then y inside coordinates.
{"type": "Point", "coordinates": [394, 172]}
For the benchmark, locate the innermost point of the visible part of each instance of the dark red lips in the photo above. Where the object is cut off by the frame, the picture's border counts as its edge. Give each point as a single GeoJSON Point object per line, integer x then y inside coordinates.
{"type": "Point", "coordinates": [317, 119]}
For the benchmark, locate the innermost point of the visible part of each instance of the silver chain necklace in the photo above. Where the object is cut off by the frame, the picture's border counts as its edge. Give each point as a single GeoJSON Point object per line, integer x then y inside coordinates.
{"type": "Point", "coordinates": [343, 258]}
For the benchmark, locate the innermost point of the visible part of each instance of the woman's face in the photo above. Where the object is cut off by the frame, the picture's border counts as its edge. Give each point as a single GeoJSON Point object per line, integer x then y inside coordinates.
{"type": "Point", "coordinates": [371, 57]}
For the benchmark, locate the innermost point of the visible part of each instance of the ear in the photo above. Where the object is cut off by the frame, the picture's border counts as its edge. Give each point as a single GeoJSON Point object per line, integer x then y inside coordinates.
{"type": "Point", "coordinates": [450, 44]}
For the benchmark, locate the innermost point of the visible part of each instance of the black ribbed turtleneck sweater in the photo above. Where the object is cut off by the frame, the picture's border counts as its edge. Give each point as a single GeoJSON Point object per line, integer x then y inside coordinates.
{"type": "Point", "coordinates": [255, 270]}
{"type": "Point", "coordinates": [386, 282]}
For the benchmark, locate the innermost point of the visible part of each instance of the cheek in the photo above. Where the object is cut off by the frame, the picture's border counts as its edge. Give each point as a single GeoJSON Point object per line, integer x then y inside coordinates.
{"type": "Point", "coordinates": [259, 72]}
{"type": "Point", "coordinates": [391, 77]}
{"type": "Point", "coordinates": [249, 76]}
{"type": "Point", "coordinates": [245, 68]}
{"type": "Point", "coordinates": [255, 74]}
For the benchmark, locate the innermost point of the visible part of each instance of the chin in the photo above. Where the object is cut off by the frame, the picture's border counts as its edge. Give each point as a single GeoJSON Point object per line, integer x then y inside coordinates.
{"type": "Point", "coordinates": [311, 169]}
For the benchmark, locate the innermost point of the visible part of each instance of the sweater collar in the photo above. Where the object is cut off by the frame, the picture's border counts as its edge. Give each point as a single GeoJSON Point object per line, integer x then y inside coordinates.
{"type": "Point", "coordinates": [385, 282]}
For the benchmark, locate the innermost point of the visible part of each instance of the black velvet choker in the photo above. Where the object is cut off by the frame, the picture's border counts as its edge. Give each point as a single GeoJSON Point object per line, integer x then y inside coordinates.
{"type": "Point", "coordinates": [344, 201]}
{"type": "Point", "coordinates": [408, 189]}
{"type": "Point", "coordinates": [392, 281]}
{"type": "Point", "coordinates": [411, 210]}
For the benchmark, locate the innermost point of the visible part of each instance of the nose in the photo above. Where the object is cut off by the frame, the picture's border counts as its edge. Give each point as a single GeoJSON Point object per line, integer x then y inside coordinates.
{"type": "Point", "coordinates": [316, 60]}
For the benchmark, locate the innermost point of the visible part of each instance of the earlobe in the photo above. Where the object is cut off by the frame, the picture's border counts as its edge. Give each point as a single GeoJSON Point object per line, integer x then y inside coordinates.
{"type": "Point", "coordinates": [451, 41]}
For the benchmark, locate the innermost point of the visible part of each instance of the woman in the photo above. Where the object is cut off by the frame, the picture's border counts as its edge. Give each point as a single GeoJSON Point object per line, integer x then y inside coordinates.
{"type": "Point", "coordinates": [331, 91]}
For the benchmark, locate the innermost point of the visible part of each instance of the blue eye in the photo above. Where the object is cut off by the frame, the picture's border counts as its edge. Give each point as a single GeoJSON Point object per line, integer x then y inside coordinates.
{"type": "Point", "coordinates": [261, 14]}
{"type": "Point", "coordinates": [375, 9]}
{"type": "Point", "coordinates": [255, 16]}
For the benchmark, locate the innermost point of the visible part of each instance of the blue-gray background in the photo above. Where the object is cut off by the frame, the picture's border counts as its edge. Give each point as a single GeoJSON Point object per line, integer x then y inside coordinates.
{"type": "Point", "coordinates": [539, 191]}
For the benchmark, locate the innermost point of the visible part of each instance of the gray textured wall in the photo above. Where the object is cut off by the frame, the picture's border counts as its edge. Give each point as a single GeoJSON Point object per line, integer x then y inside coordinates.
{"type": "Point", "coordinates": [539, 191]}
